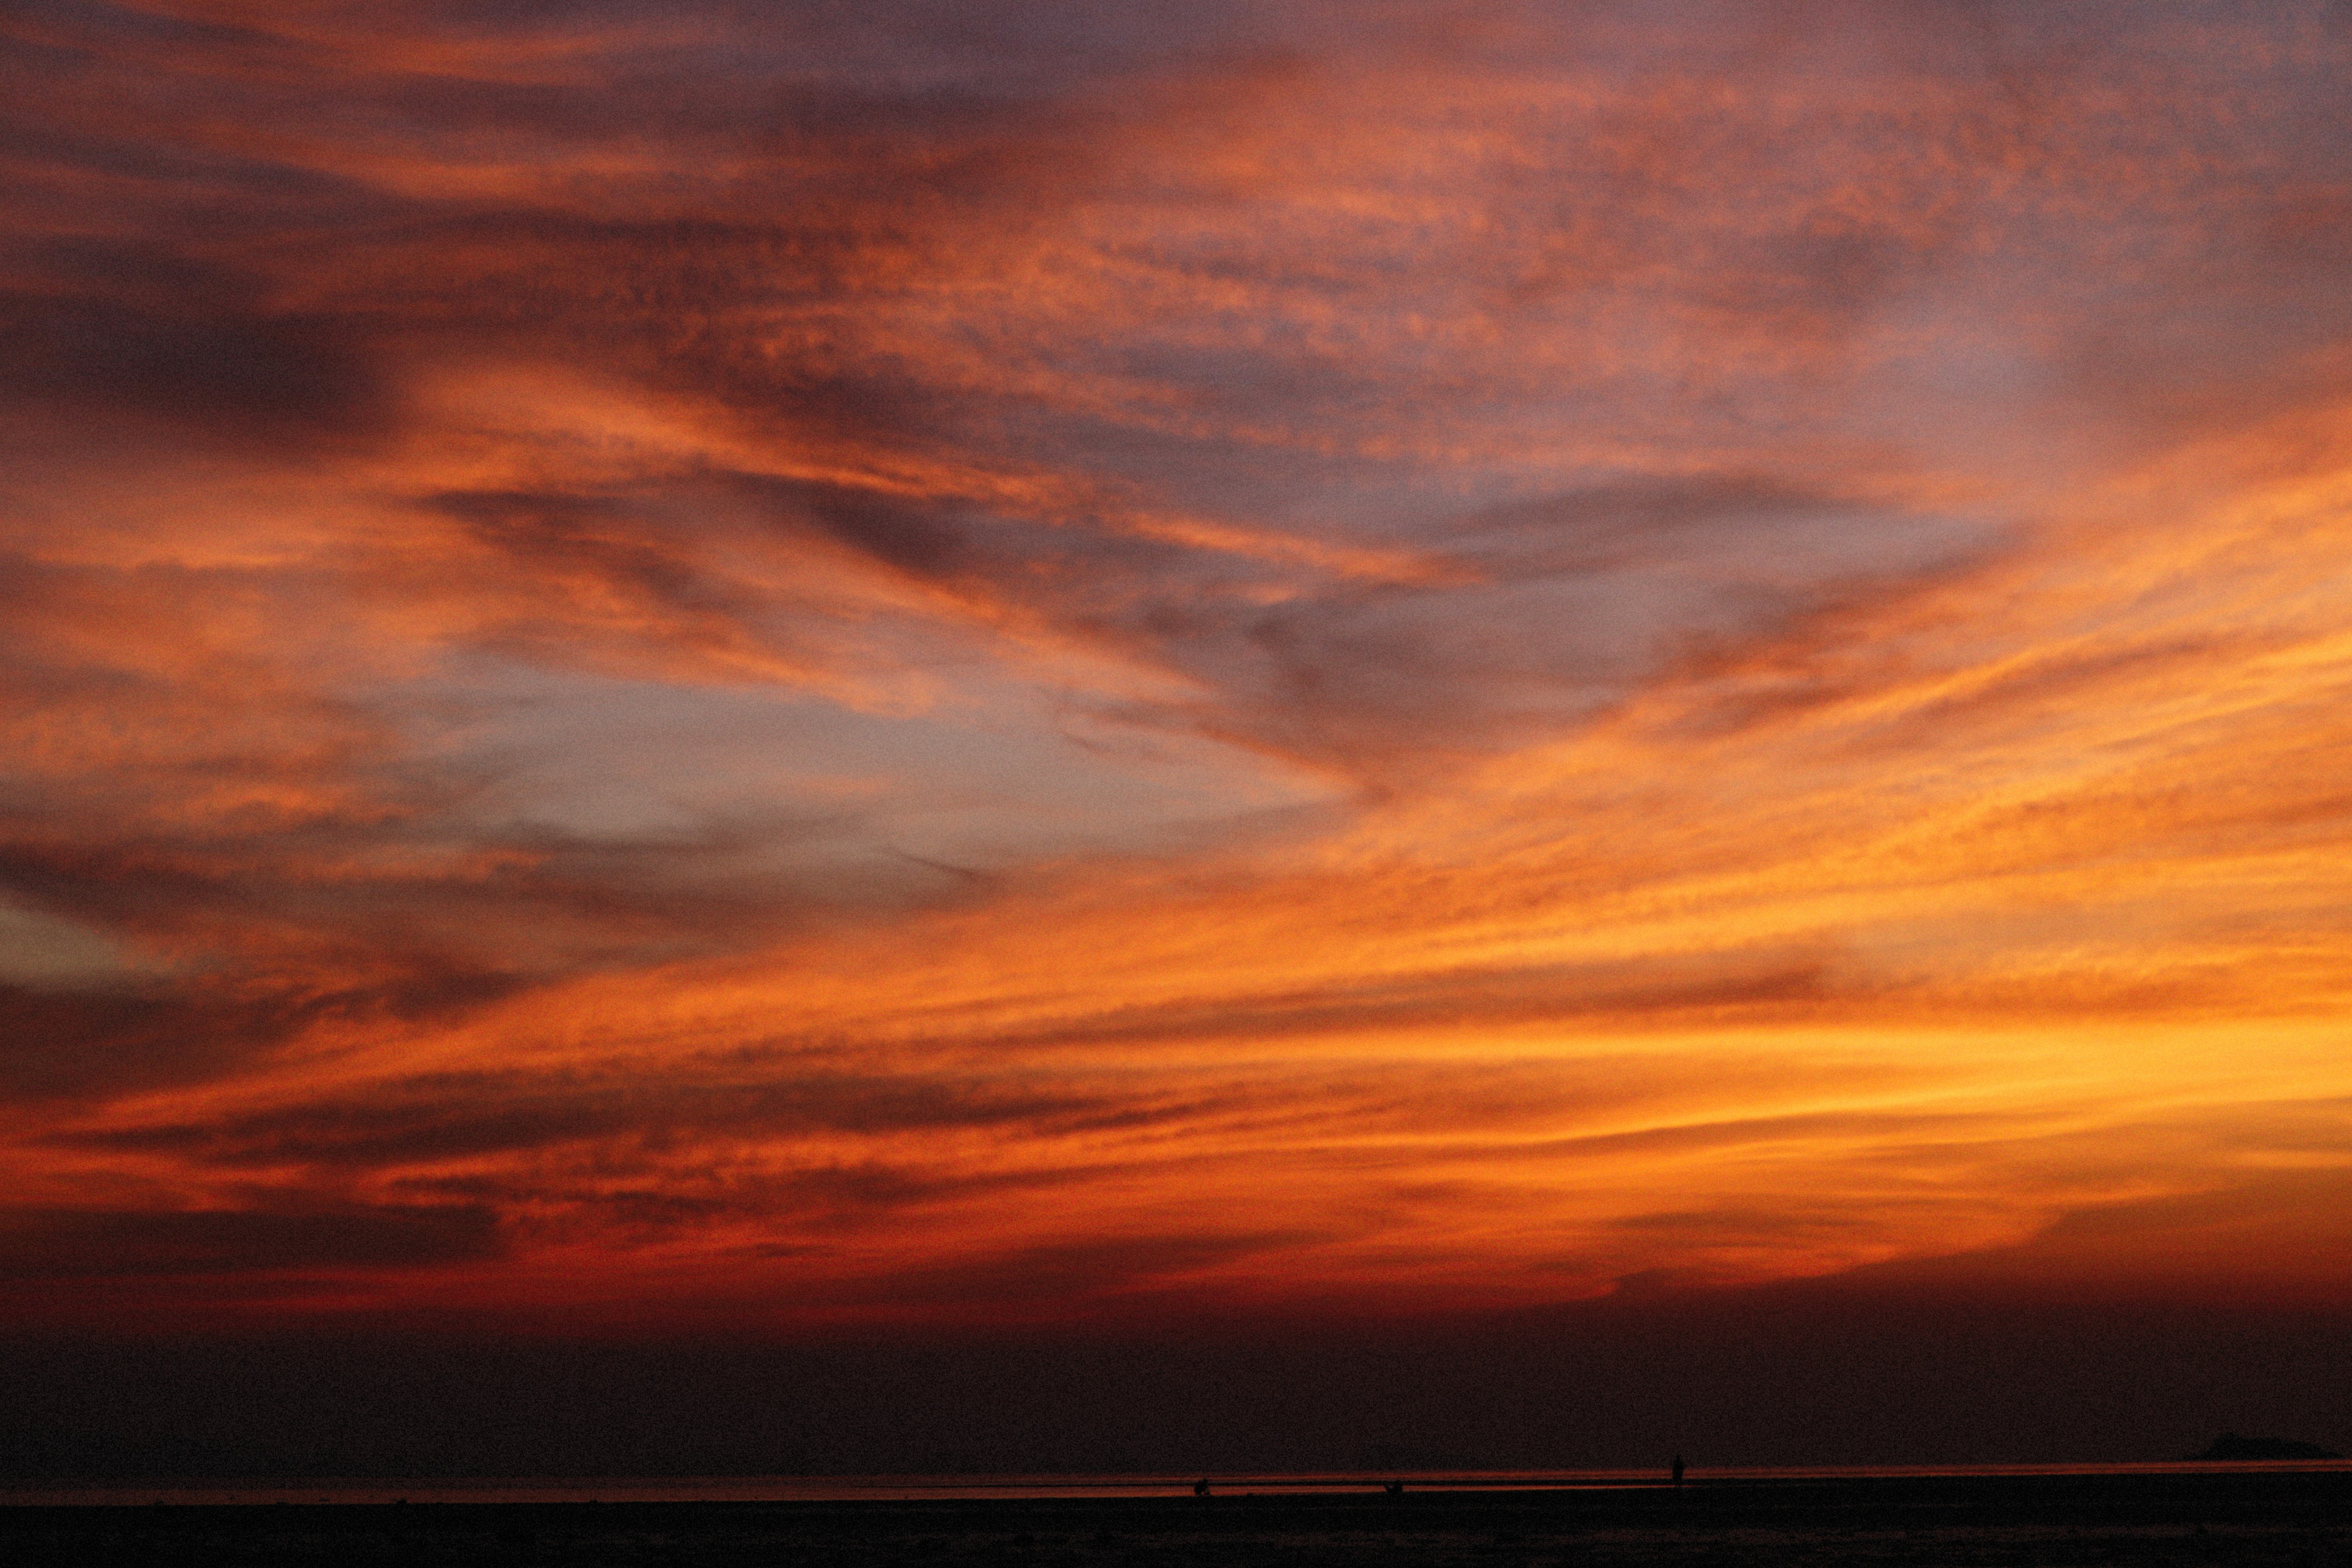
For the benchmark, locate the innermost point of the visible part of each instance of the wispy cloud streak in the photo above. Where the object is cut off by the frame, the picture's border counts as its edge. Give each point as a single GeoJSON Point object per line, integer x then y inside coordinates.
{"type": "Point", "coordinates": [1003, 659]}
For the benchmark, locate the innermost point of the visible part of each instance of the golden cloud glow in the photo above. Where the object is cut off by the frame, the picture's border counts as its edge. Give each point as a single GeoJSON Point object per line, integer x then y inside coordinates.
{"type": "Point", "coordinates": [835, 673]}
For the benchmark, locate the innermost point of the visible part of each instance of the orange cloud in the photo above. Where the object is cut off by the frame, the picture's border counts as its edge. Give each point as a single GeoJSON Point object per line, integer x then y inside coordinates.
{"type": "Point", "coordinates": [860, 672]}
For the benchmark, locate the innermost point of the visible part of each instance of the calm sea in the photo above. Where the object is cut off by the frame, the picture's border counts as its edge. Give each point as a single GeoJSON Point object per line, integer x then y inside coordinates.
{"type": "Point", "coordinates": [903, 1489]}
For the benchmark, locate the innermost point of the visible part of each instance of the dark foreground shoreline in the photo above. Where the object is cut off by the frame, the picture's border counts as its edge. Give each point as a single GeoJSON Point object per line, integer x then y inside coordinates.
{"type": "Point", "coordinates": [2194, 1520]}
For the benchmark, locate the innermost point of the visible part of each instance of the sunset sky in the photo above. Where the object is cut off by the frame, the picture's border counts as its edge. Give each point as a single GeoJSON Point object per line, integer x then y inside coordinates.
{"type": "Point", "coordinates": [935, 666]}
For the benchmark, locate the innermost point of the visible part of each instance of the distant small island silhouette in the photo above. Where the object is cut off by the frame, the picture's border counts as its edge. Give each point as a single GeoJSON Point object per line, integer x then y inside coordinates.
{"type": "Point", "coordinates": [2230, 1446]}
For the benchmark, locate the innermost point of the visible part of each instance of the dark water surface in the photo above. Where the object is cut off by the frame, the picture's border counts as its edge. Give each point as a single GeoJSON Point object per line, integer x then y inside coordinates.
{"type": "Point", "coordinates": [210, 1491]}
{"type": "Point", "coordinates": [2292, 1516]}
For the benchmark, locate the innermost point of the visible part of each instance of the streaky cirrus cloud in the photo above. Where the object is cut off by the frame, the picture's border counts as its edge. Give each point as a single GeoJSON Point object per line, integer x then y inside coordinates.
{"type": "Point", "coordinates": [1008, 661]}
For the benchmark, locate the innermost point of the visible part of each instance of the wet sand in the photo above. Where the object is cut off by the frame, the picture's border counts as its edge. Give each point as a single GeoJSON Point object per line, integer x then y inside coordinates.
{"type": "Point", "coordinates": [2291, 1520]}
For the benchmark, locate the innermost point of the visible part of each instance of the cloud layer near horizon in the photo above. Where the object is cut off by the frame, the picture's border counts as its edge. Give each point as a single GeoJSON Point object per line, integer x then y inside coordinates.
{"type": "Point", "coordinates": [995, 660]}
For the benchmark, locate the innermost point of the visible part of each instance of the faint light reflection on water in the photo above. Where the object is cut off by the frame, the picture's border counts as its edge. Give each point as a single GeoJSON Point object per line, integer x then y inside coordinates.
{"type": "Point", "coordinates": [953, 1487]}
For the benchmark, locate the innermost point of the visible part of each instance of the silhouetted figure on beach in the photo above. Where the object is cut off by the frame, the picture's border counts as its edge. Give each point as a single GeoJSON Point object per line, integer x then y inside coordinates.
{"type": "Point", "coordinates": [1395, 1489]}
{"type": "Point", "coordinates": [1678, 1470]}
{"type": "Point", "coordinates": [1201, 1487]}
